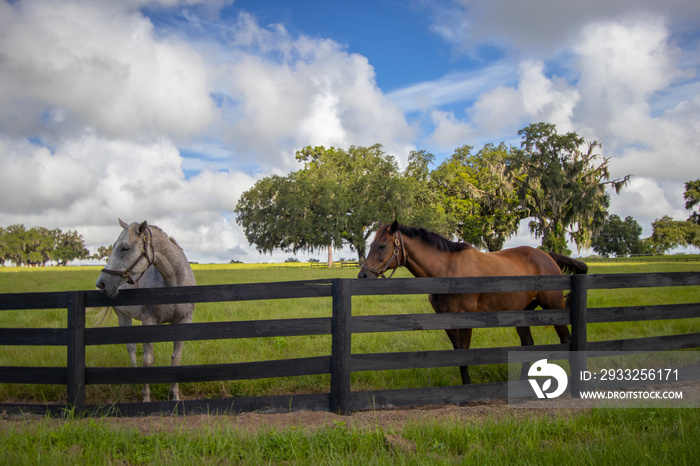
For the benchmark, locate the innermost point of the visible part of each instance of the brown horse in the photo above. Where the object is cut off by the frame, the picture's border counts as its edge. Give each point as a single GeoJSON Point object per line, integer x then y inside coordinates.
{"type": "Point", "coordinates": [427, 254]}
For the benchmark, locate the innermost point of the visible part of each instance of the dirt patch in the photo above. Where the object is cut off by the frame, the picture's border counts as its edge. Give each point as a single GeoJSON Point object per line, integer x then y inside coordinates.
{"type": "Point", "coordinates": [251, 423]}
{"type": "Point", "coordinates": [391, 420]}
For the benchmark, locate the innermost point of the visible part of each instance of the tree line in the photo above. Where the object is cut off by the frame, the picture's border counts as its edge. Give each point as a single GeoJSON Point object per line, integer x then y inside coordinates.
{"type": "Point", "coordinates": [621, 238]}
{"type": "Point", "coordinates": [669, 233]}
{"type": "Point", "coordinates": [558, 181]}
{"type": "Point", "coordinates": [38, 246]}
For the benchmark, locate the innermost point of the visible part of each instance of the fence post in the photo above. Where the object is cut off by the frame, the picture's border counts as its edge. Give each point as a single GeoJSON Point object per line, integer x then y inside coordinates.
{"type": "Point", "coordinates": [75, 370]}
{"type": "Point", "coordinates": [340, 347]}
{"type": "Point", "coordinates": [579, 309]}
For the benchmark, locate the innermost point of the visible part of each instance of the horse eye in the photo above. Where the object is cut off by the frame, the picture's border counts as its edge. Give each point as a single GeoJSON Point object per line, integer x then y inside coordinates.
{"type": "Point", "coordinates": [382, 246]}
{"type": "Point", "coordinates": [124, 249]}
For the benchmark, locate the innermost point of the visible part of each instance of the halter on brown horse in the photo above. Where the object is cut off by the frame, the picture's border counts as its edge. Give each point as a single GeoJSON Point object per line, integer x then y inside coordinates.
{"type": "Point", "coordinates": [427, 254]}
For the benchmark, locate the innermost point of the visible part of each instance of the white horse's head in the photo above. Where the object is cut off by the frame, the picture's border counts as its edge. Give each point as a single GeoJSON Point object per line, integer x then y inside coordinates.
{"type": "Point", "coordinates": [132, 254]}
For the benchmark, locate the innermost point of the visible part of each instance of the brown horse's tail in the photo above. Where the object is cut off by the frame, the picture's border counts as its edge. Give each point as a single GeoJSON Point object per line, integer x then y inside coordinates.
{"type": "Point", "coordinates": [567, 264]}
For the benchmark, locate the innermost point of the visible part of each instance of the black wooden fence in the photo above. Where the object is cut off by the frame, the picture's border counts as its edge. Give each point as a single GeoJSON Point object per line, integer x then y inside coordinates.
{"type": "Point", "coordinates": [341, 326]}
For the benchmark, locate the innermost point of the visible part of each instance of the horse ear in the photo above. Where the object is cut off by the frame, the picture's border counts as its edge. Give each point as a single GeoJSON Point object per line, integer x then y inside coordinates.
{"type": "Point", "coordinates": [394, 226]}
{"type": "Point", "coordinates": [123, 224]}
{"type": "Point", "coordinates": [142, 227]}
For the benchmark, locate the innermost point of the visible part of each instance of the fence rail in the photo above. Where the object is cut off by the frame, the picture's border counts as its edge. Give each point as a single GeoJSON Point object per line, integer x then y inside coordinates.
{"type": "Point", "coordinates": [341, 264]}
{"type": "Point", "coordinates": [341, 325]}
{"type": "Point", "coordinates": [648, 258]}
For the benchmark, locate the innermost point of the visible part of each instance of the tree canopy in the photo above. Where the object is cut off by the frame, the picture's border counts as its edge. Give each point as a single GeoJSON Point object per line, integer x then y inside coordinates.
{"type": "Point", "coordinates": [669, 233]}
{"type": "Point", "coordinates": [619, 237]}
{"type": "Point", "coordinates": [424, 203]}
{"type": "Point", "coordinates": [479, 195]}
{"type": "Point", "coordinates": [335, 198]}
{"type": "Point", "coordinates": [37, 246]}
{"type": "Point", "coordinates": [339, 195]}
{"type": "Point", "coordinates": [562, 183]}
{"type": "Point", "coordinates": [692, 200]}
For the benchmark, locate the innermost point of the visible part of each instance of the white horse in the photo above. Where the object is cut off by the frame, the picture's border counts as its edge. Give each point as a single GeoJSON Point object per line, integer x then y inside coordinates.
{"type": "Point", "coordinates": [145, 257]}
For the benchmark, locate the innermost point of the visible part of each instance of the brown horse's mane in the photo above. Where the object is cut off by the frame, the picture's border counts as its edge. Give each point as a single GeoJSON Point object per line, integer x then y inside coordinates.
{"type": "Point", "coordinates": [433, 239]}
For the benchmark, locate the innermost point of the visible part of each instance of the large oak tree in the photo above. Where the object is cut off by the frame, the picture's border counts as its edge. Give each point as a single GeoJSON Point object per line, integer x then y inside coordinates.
{"type": "Point", "coordinates": [479, 195]}
{"type": "Point", "coordinates": [37, 246]}
{"type": "Point", "coordinates": [336, 198]}
{"type": "Point", "coordinates": [619, 237]}
{"type": "Point", "coordinates": [692, 200]}
{"type": "Point", "coordinates": [563, 181]}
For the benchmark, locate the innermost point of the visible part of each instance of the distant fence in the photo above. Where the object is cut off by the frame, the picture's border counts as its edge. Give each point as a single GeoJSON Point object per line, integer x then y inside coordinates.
{"type": "Point", "coordinates": [341, 264]}
{"type": "Point", "coordinates": [647, 258]}
{"type": "Point", "coordinates": [341, 362]}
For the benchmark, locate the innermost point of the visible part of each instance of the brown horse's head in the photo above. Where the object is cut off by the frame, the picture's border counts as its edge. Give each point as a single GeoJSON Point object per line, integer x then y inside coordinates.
{"type": "Point", "coordinates": [385, 252]}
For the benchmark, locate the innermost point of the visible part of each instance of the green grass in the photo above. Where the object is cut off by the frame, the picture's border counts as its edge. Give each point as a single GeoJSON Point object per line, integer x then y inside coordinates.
{"type": "Point", "coordinates": [599, 436]}
{"type": "Point", "coordinates": [256, 349]}
{"type": "Point", "coordinates": [596, 437]}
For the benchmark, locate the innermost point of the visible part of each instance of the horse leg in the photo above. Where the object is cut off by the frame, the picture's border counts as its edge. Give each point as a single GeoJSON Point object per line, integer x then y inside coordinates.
{"type": "Point", "coordinates": [525, 340]}
{"type": "Point", "coordinates": [176, 358]}
{"type": "Point", "coordinates": [461, 339]}
{"type": "Point", "coordinates": [175, 361]}
{"type": "Point", "coordinates": [563, 332]}
{"type": "Point", "coordinates": [555, 300]}
{"type": "Point", "coordinates": [148, 358]}
{"type": "Point", "coordinates": [125, 321]}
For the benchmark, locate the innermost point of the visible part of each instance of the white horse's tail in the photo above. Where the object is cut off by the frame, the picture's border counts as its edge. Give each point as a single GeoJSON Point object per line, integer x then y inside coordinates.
{"type": "Point", "coordinates": [101, 315]}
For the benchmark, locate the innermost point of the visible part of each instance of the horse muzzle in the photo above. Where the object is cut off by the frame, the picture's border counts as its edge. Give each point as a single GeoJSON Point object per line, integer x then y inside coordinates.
{"type": "Point", "coordinates": [107, 289]}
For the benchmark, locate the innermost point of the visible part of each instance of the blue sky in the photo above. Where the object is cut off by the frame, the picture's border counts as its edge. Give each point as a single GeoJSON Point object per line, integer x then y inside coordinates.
{"type": "Point", "coordinates": [395, 36]}
{"type": "Point", "coordinates": [167, 110]}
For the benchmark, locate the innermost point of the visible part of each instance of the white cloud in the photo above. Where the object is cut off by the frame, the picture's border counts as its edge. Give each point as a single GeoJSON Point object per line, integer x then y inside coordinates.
{"type": "Point", "coordinates": [113, 102]}
{"type": "Point", "coordinates": [34, 179]}
{"type": "Point", "coordinates": [450, 132]}
{"type": "Point", "coordinates": [130, 119]}
{"type": "Point", "coordinates": [298, 92]}
{"type": "Point", "coordinates": [547, 99]}
{"type": "Point", "coordinates": [81, 65]}
{"type": "Point", "coordinates": [623, 66]}
{"type": "Point", "coordinates": [99, 67]}
{"type": "Point", "coordinates": [628, 84]}
{"type": "Point", "coordinates": [323, 123]}
{"type": "Point", "coordinates": [75, 189]}
{"type": "Point", "coordinates": [543, 27]}
{"type": "Point", "coordinates": [498, 111]}
{"type": "Point", "coordinates": [454, 87]}
{"type": "Point", "coordinates": [501, 111]}
{"type": "Point", "coordinates": [647, 200]}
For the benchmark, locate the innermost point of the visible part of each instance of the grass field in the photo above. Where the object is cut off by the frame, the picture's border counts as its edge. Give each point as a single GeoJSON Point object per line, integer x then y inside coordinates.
{"type": "Point", "coordinates": [596, 437]}
{"type": "Point", "coordinates": [599, 436]}
{"type": "Point", "coordinates": [258, 349]}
